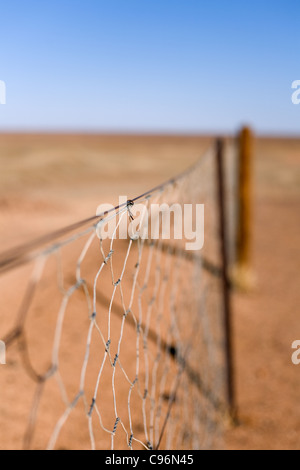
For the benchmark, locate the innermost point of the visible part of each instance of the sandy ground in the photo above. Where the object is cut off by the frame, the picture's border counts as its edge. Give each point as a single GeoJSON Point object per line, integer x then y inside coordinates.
{"type": "Point", "coordinates": [49, 181]}
{"type": "Point", "coordinates": [266, 321]}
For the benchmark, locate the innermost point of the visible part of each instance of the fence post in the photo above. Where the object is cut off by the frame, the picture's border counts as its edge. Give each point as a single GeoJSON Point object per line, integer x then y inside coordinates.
{"type": "Point", "coordinates": [242, 274]}
{"type": "Point", "coordinates": [231, 403]}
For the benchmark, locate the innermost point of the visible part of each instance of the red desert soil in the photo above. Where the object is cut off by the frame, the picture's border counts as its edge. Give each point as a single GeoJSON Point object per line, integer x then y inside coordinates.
{"type": "Point", "coordinates": [267, 320]}
{"type": "Point", "coordinates": [49, 181]}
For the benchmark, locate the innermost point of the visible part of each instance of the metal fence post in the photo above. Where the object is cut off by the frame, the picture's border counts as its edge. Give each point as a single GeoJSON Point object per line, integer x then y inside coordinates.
{"type": "Point", "coordinates": [231, 402]}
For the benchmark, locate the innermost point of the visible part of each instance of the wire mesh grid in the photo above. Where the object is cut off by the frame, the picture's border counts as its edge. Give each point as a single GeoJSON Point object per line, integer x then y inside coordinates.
{"type": "Point", "coordinates": [117, 343]}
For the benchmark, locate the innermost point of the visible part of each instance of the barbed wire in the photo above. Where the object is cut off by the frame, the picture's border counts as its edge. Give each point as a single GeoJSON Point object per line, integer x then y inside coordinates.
{"type": "Point", "coordinates": [24, 253]}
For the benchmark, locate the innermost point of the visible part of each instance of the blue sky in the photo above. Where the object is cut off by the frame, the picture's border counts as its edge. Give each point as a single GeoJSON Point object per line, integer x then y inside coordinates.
{"type": "Point", "coordinates": [150, 65]}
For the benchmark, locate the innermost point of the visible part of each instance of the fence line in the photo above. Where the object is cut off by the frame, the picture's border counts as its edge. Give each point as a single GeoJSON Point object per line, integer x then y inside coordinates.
{"type": "Point", "coordinates": [156, 327]}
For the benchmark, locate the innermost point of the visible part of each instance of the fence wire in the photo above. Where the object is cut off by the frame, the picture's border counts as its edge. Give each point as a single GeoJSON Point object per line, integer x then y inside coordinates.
{"type": "Point", "coordinates": [116, 343]}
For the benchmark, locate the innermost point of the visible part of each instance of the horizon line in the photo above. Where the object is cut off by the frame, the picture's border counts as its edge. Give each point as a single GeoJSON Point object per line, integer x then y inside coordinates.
{"type": "Point", "coordinates": [146, 133]}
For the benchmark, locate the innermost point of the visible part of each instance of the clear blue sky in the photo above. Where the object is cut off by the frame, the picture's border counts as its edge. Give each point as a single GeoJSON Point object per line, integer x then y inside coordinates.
{"type": "Point", "coordinates": [150, 65]}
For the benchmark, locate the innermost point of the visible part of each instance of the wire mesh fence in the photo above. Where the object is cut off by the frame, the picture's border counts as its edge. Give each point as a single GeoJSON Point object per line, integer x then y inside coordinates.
{"type": "Point", "coordinates": [119, 343]}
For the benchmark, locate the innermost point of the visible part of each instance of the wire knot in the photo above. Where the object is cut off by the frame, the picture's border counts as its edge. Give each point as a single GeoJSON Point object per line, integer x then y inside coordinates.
{"type": "Point", "coordinates": [130, 203]}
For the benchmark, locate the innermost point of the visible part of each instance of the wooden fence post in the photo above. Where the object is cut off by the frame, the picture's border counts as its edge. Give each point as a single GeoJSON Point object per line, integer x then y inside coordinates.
{"type": "Point", "coordinates": [242, 276]}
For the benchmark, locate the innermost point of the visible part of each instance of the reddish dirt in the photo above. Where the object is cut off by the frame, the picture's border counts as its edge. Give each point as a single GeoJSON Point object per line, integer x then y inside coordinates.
{"type": "Point", "coordinates": [266, 320]}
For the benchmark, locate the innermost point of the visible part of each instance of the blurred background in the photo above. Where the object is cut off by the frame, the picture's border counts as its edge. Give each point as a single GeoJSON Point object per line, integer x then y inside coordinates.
{"type": "Point", "coordinates": [110, 97]}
